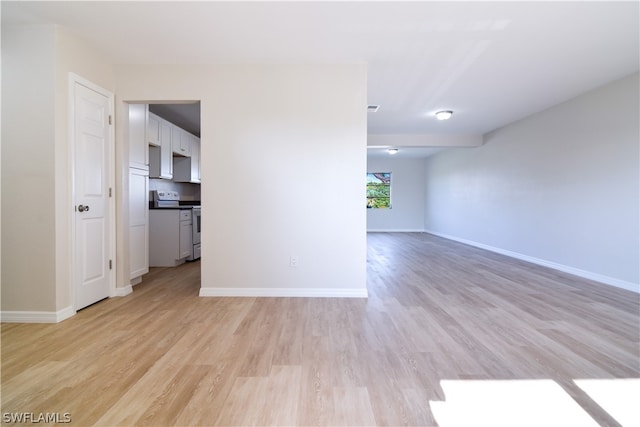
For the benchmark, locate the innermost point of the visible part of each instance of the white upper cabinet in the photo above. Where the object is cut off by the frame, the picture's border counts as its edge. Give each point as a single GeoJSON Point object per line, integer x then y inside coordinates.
{"type": "Point", "coordinates": [173, 153]}
{"type": "Point", "coordinates": [160, 157]}
{"type": "Point", "coordinates": [195, 159]}
{"type": "Point", "coordinates": [138, 148]}
{"type": "Point", "coordinates": [153, 128]}
{"type": "Point", "coordinates": [180, 141]}
{"type": "Point", "coordinates": [187, 169]}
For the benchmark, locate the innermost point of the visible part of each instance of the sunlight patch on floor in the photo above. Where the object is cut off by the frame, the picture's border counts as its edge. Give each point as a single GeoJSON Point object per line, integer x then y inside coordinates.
{"type": "Point", "coordinates": [619, 397]}
{"type": "Point", "coordinates": [507, 403]}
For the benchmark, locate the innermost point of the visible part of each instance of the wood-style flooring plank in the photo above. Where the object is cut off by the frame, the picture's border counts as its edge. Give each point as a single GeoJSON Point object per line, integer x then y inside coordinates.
{"type": "Point", "coordinates": [438, 312]}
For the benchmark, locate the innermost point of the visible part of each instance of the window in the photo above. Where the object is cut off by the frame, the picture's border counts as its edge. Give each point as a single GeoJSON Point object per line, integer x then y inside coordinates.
{"type": "Point", "coordinates": [379, 190]}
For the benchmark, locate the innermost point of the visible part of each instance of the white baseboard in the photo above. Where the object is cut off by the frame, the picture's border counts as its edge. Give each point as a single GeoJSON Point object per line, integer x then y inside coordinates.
{"type": "Point", "coordinates": [403, 230]}
{"type": "Point", "coordinates": [122, 291]}
{"type": "Point", "coordinates": [611, 281]}
{"type": "Point", "coordinates": [37, 316]}
{"type": "Point", "coordinates": [284, 292]}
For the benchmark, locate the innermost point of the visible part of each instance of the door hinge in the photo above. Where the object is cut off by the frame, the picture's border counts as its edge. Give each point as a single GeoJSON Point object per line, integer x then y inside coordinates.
{"type": "Point", "coordinates": [110, 265]}
{"type": "Point", "coordinates": [110, 120]}
{"type": "Point", "coordinates": [109, 191]}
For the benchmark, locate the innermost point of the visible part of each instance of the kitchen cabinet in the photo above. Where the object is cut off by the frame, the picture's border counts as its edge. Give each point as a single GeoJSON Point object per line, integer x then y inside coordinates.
{"type": "Point", "coordinates": [180, 141]}
{"type": "Point", "coordinates": [153, 128]}
{"type": "Point", "coordinates": [138, 193]}
{"type": "Point", "coordinates": [195, 159]}
{"type": "Point", "coordinates": [138, 222]}
{"type": "Point", "coordinates": [187, 169]}
{"type": "Point", "coordinates": [161, 157]}
{"type": "Point", "coordinates": [170, 236]}
{"type": "Point", "coordinates": [138, 147]}
{"type": "Point", "coordinates": [186, 235]}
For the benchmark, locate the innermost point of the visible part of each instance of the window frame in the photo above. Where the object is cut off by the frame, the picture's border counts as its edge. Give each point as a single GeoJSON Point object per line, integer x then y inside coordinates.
{"type": "Point", "coordinates": [385, 181]}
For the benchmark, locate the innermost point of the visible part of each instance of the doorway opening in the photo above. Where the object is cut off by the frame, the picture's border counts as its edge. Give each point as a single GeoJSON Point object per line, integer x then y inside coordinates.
{"type": "Point", "coordinates": [164, 186]}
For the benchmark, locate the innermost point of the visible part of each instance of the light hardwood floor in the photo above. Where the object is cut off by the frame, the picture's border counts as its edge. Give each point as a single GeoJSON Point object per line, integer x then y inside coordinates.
{"type": "Point", "coordinates": [438, 312]}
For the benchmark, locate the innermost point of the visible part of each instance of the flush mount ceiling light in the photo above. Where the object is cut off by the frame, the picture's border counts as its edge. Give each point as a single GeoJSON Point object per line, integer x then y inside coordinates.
{"type": "Point", "coordinates": [392, 151]}
{"type": "Point", "coordinates": [444, 115]}
{"type": "Point", "coordinates": [372, 108]}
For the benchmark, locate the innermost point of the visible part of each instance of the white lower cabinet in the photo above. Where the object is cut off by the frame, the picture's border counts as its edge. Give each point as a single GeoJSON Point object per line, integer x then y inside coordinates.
{"type": "Point", "coordinates": [170, 236]}
{"type": "Point", "coordinates": [186, 236]}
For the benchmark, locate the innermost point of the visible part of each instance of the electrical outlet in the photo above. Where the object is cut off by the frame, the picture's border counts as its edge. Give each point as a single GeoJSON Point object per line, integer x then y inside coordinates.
{"type": "Point", "coordinates": [293, 261]}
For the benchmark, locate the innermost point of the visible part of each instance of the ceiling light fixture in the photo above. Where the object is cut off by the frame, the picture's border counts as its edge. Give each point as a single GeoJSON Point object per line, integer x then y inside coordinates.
{"type": "Point", "coordinates": [373, 108]}
{"type": "Point", "coordinates": [444, 115]}
{"type": "Point", "coordinates": [392, 151]}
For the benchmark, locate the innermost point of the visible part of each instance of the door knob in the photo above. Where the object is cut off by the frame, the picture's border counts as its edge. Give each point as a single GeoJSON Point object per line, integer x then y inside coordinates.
{"type": "Point", "coordinates": [83, 208]}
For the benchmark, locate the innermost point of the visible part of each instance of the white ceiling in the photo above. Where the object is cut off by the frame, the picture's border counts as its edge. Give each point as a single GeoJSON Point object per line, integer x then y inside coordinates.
{"type": "Point", "coordinates": [490, 62]}
{"type": "Point", "coordinates": [183, 115]}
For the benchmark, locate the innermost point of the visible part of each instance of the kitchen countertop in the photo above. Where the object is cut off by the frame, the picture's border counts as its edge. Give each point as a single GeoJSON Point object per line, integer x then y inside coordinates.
{"type": "Point", "coordinates": [183, 205]}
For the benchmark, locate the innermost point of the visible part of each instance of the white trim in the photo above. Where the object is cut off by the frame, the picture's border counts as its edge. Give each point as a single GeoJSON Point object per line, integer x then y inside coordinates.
{"type": "Point", "coordinates": [403, 230]}
{"type": "Point", "coordinates": [37, 316]}
{"type": "Point", "coordinates": [74, 79]}
{"type": "Point", "coordinates": [122, 291]}
{"type": "Point", "coordinates": [611, 281]}
{"type": "Point", "coordinates": [285, 292]}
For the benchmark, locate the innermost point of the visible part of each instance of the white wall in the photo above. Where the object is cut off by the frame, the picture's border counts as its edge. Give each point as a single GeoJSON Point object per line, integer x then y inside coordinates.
{"type": "Point", "coordinates": [36, 172]}
{"type": "Point", "coordinates": [28, 123]}
{"type": "Point", "coordinates": [560, 187]}
{"type": "Point", "coordinates": [283, 160]}
{"type": "Point", "coordinates": [407, 195]}
{"type": "Point", "coordinates": [291, 151]}
{"type": "Point", "coordinates": [72, 56]}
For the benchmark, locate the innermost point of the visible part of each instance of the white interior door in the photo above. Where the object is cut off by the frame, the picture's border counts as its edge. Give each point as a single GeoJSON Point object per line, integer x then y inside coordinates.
{"type": "Point", "coordinates": [91, 192]}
